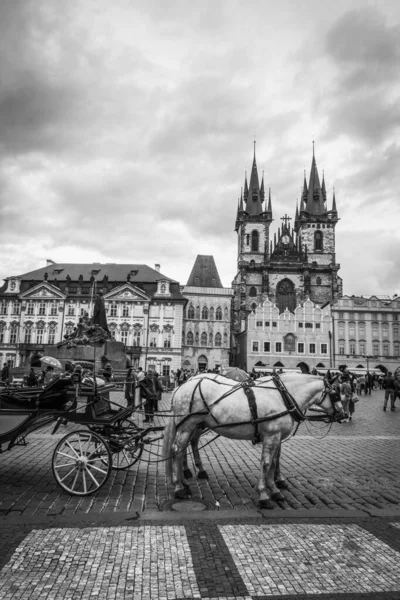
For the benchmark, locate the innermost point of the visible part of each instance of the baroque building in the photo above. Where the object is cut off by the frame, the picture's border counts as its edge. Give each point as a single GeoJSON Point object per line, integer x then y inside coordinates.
{"type": "Point", "coordinates": [366, 332]}
{"type": "Point", "coordinates": [297, 265]}
{"type": "Point", "coordinates": [144, 311]}
{"type": "Point", "coordinates": [207, 319]}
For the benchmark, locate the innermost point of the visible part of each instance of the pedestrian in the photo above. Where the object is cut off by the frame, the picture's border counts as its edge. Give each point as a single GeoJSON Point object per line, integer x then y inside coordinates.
{"type": "Point", "coordinates": [333, 384]}
{"type": "Point", "coordinates": [389, 387]}
{"type": "Point", "coordinates": [108, 372]}
{"type": "Point", "coordinates": [159, 390]}
{"type": "Point", "coordinates": [362, 384]}
{"type": "Point", "coordinates": [177, 377]}
{"type": "Point", "coordinates": [130, 382]}
{"type": "Point", "coordinates": [346, 394]}
{"type": "Point", "coordinates": [6, 372]}
{"type": "Point", "coordinates": [32, 380]}
{"type": "Point", "coordinates": [396, 389]}
{"type": "Point", "coordinates": [148, 392]}
{"type": "Point", "coordinates": [358, 385]}
{"type": "Point", "coordinates": [49, 375]}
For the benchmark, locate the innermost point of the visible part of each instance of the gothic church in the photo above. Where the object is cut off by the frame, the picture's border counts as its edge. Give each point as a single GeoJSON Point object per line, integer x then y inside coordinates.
{"type": "Point", "coordinates": [298, 264]}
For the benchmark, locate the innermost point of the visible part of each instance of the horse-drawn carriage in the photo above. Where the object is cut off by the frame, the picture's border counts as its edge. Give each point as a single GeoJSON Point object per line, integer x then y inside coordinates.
{"type": "Point", "coordinates": [83, 459]}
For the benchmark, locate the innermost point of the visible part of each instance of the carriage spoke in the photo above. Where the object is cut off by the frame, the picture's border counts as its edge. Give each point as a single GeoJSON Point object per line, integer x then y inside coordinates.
{"type": "Point", "coordinates": [93, 478]}
{"type": "Point", "coordinates": [68, 474]}
{"type": "Point", "coordinates": [66, 455]}
{"type": "Point", "coordinates": [96, 468]}
{"type": "Point", "coordinates": [75, 480]}
{"type": "Point", "coordinates": [65, 465]}
{"type": "Point", "coordinates": [73, 449]}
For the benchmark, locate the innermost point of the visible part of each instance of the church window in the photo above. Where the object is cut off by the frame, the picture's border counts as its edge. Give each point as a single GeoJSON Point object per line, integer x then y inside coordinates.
{"type": "Point", "coordinates": [255, 347]}
{"type": "Point", "coordinates": [189, 339]}
{"type": "Point", "coordinates": [191, 312]}
{"type": "Point", "coordinates": [319, 280]}
{"type": "Point", "coordinates": [218, 314]}
{"type": "Point", "coordinates": [267, 346]}
{"type": "Point", "coordinates": [324, 348]}
{"type": "Point", "coordinates": [308, 325]}
{"type": "Point", "coordinates": [204, 313]}
{"type": "Point", "coordinates": [197, 312]}
{"type": "Point", "coordinates": [253, 291]}
{"type": "Point", "coordinates": [212, 313]}
{"type": "Point", "coordinates": [248, 239]}
{"type": "Point", "coordinates": [317, 325]}
{"type": "Point", "coordinates": [254, 241]}
{"type": "Point", "coordinates": [278, 347]}
{"type": "Point", "coordinates": [300, 348]}
{"type": "Point", "coordinates": [203, 339]}
{"type": "Point", "coordinates": [218, 339]}
{"type": "Point", "coordinates": [318, 237]}
{"type": "Point", "coordinates": [286, 295]}
{"type": "Point", "coordinates": [210, 339]}
{"type": "Point", "coordinates": [312, 348]}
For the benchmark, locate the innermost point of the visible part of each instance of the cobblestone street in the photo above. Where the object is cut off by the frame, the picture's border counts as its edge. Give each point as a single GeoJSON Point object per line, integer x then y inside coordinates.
{"type": "Point", "coordinates": [336, 536]}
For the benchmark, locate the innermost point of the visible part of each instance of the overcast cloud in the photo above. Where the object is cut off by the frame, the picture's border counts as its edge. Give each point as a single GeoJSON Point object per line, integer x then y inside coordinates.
{"type": "Point", "coordinates": [126, 128]}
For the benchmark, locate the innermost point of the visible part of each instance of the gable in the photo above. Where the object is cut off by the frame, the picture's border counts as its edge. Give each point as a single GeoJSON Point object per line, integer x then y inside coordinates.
{"type": "Point", "coordinates": [128, 293]}
{"type": "Point", "coordinates": [43, 291]}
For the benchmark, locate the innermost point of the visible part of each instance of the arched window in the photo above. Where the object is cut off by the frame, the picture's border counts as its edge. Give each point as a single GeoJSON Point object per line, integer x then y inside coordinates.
{"type": "Point", "coordinates": [189, 339]}
{"type": "Point", "coordinates": [254, 306]}
{"type": "Point", "coordinates": [218, 314]}
{"type": "Point", "coordinates": [253, 291]}
{"type": "Point", "coordinates": [226, 313]}
{"type": "Point", "coordinates": [204, 313]}
{"type": "Point", "coordinates": [203, 339]}
{"type": "Point", "coordinates": [254, 241]}
{"type": "Point", "coordinates": [218, 339]}
{"type": "Point", "coordinates": [286, 295]}
{"type": "Point", "coordinates": [318, 238]}
{"type": "Point", "coordinates": [212, 313]}
{"type": "Point", "coordinates": [319, 281]}
{"type": "Point", "coordinates": [191, 312]}
{"type": "Point", "coordinates": [197, 338]}
{"type": "Point", "coordinates": [210, 339]}
{"type": "Point", "coordinates": [197, 312]}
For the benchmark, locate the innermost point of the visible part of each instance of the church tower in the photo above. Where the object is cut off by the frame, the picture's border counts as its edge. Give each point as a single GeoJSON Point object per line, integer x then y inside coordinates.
{"type": "Point", "coordinates": [298, 264]}
{"type": "Point", "coordinates": [253, 220]}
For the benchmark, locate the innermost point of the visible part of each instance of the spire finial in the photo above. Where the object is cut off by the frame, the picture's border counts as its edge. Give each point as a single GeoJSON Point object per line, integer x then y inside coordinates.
{"type": "Point", "coordinates": [313, 149]}
{"type": "Point", "coordinates": [254, 146]}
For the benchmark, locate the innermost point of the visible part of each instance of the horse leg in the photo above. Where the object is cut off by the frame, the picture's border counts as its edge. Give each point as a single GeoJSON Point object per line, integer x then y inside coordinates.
{"type": "Point", "coordinates": [266, 486]}
{"type": "Point", "coordinates": [280, 481]}
{"type": "Point", "coordinates": [182, 488]}
{"type": "Point", "coordinates": [187, 473]}
{"type": "Point", "coordinates": [201, 473]}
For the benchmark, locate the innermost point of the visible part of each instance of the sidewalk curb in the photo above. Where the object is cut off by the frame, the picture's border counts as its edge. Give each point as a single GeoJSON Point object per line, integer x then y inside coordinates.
{"type": "Point", "coordinates": [161, 517]}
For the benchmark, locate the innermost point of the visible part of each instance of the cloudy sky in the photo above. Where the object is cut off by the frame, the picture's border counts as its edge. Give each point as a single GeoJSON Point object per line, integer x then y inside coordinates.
{"type": "Point", "coordinates": [126, 128]}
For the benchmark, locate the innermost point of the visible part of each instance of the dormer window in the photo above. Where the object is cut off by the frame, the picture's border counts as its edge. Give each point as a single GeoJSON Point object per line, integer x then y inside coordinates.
{"type": "Point", "coordinates": [13, 285]}
{"type": "Point", "coordinates": [163, 288]}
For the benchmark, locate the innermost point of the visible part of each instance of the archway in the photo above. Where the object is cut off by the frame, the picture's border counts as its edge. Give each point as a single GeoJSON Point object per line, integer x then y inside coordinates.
{"type": "Point", "coordinates": [304, 367]}
{"type": "Point", "coordinates": [360, 367]}
{"type": "Point", "coordinates": [279, 364]}
{"type": "Point", "coordinates": [320, 366]}
{"type": "Point", "coordinates": [202, 363]}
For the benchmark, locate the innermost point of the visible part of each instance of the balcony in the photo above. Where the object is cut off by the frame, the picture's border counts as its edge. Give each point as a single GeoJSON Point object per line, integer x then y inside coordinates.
{"type": "Point", "coordinates": [134, 350]}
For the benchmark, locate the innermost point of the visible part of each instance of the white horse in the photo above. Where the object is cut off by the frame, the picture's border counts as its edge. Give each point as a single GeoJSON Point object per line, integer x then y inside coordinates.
{"type": "Point", "coordinates": [266, 413]}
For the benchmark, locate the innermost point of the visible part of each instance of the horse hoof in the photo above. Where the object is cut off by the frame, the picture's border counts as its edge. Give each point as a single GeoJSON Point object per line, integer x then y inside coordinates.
{"type": "Point", "coordinates": [278, 497]}
{"type": "Point", "coordinates": [266, 504]}
{"type": "Point", "coordinates": [182, 494]}
{"type": "Point", "coordinates": [187, 473]}
{"type": "Point", "coordinates": [202, 475]}
{"type": "Point", "coordinates": [282, 485]}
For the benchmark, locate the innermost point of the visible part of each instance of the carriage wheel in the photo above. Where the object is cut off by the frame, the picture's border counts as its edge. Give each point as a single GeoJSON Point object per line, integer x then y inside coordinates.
{"type": "Point", "coordinates": [81, 463]}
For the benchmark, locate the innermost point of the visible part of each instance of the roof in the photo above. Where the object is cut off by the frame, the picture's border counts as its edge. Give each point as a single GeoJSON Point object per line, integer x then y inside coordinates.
{"type": "Point", "coordinates": [204, 273]}
{"type": "Point", "coordinates": [114, 272]}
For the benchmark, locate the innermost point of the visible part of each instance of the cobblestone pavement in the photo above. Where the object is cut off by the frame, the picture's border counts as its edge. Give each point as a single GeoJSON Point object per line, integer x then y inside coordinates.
{"type": "Point", "coordinates": [336, 536]}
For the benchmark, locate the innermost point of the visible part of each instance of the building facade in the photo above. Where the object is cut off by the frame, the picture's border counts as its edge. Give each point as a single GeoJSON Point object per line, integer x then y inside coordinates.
{"type": "Point", "coordinates": [144, 311]}
{"type": "Point", "coordinates": [207, 320]}
{"type": "Point", "coordinates": [366, 332]}
{"type": "Point", "coordinates": [297, 266]}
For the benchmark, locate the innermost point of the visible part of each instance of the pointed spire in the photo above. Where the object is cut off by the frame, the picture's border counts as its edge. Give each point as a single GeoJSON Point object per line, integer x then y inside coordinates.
{"type": "Point", "coordinates": [241, 200]}
{"type": "Point", "coordinates": [246, 188]}
{"type": "Point", "coordinates": [269, 209]}
{"type": "Point", "coordinates": [304, 191]}
{"type": "Point", "coordinates": [254, 197]}
{"type": "Point", "coordinates": [296, 217]}
{"type": "Point", "coordinates": [323, 189]}
{"type": "Point", "coordinates": [262, 193]}
{"type": "Point", "coordinates": [334, 209]}
{"type": "Point", "coordinates": [315, 200]}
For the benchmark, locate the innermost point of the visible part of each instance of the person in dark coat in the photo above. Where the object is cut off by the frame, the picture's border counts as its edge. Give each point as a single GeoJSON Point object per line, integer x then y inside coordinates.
{"type": "Point", "coordinates": [130, 384]}
{"type": "Point", "coordinates": [99, 312]}
{"type": "Point", "coordinates": [159, 390]}
{"type": "Point", "coordinates": [32, 380]}
{"type": "Point", "coordinates": [149, 393]}
{"type": "Point", "coordinates": [389, 386]}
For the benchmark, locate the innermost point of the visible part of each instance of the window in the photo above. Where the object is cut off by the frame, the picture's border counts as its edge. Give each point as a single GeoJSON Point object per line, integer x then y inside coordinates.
{"type": "Point", "coordinates": [300, 325]}
{"type": "Point", "coordinates": [312, 348]}
{"type": "Point", "coordinates": [362, 347]}
{"type": "Point", "coordinates": [255, 346]}
{"type": "Point", "coordinates": [113, 309]}
{"type": "Point", "coordinates": [259, 323]}
{"type": "Point", "coordinates": [125, 310]}
{"type": "Point", "coordinates": [13, 286]}
{"type": "Point", "coordinates": [385, 330]}
{"type": "Point", "coordinates": [52, 335]}
{"type": "Point", "coordinates": [396, 348]}
{"type": "Point", "coordinates": [189, 339]}
{"type": "Point", "coordinates": [191, 312]}
{"type": "Point", "coordinates": [218, 339]}
{"type": "Point", "coordinates": [352, 329]}
{"type": "Point", "coordinates": [136, 338]}
{"type": "Point", "coordinates": [225, 339]}
{"type": "Point", "coordinates": [318, 239]}
{"type": "Point", "coordinates": [42, 308]}
{"type": "Point", "coordinates": [15, 308]}
{"type": "Point", "coordinates": [375, 329]}
{"type": "Point", "coordinates": [266, 323]}
{"type": "Point", "coordinates": [317, 325]}
{"type": "Point", "coordinates": [2, 328]}
{"type": "Point", "coordinates": [308, 325]}
{"type": "Point", "coordinates": [395, 330]}
{"type": "Point", "coordinates": [385, 349]}
{"type": "Point", "coordinates": [361, 329]}
{"type": "Point", "coordinates": [28, 336]}
{"type": "Point", "coordinates": [278, 346]}
{"type": "Point", "coordinates": [30, 308]}
{"type": "Point", "coordinates": [273, 323]}
{"type": "Point", "coordinates": [167, 339]}
{"type": "Point", "coordinates": [39, 336]}
{"type": "Point", "coordinates": [267, 346]}
{"type": "Point", "coordinates": [226, 313]}
{"type": "Point", "coordinates": [13, 334]}
{"type": "Point", "coordinates": [341, 347]}
{"type": "Point", "coordinates": [153, 341]}
{"type": "Point", "coordinates": [53, 309]}
{"type": "Point", "coordinates": [218, 314]}
{"type": "Point", "coordinates": [204, 313]}
{"type": "Point", "coordinates": [212, 313]}
{"type": "Point", "coordinates": [352, 347]}
{"type": "Point", "coordinates": [70, 313]}
{"type": "Point", "coordinates": [324, 348]}
{"type": "Point", "coordinates": [203, 339]}
{"type": "Point", "coordinates": [165, 370]}
{"type": "Point", "coordinates": [211, 340]}
{"type": "Point", "coordinates": [318, 281]}
{"type": "Point", "coordinates": [254, 241]}
{"type": "Point", "coordinates": [124, 337]}
{"type": "Point", "coordinates": [341, 329]}
{"type": "Point", "coordinates": [253, 291]}
{"type": "Point", "coordinates": [375, 348]}
{"type": "Point", "coordinates": [3, 307]}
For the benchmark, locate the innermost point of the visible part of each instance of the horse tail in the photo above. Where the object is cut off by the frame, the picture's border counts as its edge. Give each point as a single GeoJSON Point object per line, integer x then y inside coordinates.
{"type": "Point", "coordinates": [169, 437]}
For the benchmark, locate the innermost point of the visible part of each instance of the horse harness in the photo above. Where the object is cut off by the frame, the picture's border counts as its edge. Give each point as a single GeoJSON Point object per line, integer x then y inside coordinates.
{"type": "Point", "coordinates": [292, 408]}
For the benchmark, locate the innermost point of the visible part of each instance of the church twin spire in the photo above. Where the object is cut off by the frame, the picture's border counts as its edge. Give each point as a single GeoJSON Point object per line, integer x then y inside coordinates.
{"type": "Point", "coordinates": [254, 194]}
